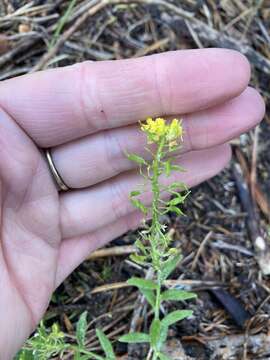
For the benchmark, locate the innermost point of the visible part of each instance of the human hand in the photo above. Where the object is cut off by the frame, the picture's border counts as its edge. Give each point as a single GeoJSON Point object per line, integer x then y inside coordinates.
{"type": "Point", "coordinates": [88, 114]}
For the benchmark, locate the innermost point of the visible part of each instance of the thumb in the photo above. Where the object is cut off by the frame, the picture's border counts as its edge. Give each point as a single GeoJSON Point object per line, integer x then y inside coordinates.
{"type": "Point", "coordinates": [20, 160]}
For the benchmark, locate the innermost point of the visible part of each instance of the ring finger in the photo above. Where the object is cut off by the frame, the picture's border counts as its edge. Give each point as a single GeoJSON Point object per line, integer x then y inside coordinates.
{"type": "Point", "coordinates": [86, 210]}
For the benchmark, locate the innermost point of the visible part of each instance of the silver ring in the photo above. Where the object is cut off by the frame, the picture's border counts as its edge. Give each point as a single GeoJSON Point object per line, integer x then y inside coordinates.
{"type": "Point", "coordinates": [59, 181]}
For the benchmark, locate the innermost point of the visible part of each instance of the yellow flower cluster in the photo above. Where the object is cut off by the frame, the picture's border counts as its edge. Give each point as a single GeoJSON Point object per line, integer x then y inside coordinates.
{"type": "Point", "coordinates": [157, 129]}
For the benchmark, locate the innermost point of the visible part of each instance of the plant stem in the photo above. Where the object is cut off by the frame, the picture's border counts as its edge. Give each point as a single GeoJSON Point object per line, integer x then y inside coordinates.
{"type": "Point", "coordinates": [156, 231]}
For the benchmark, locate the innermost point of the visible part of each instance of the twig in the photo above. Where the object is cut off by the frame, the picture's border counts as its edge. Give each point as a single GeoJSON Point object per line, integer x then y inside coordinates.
{"type": "Point", "coordinates": [259, 243]}
{"type": "Point", "coordinates": [213, 37]}
{"type": "Point", "coordinates": [61, 40]}
{"type": "Point", "coordinates": [190, 284]}
{"type": "Point", "coordinates": [200, 250]}
{"type": "Point", "coordinates": [153, 47]}
{"type": "Point", "coordinates": [22, 47]}
{"type": "Point", "coordinates": [139, 306]}
{"type": "Point", "coordinates": [226, 246]}
{"type": "Point", "coordinates": [96, 7]}
{"type": "Point", "coordinates": [253, 173]}
{"type": "Point", "coordinates": [112, 251]}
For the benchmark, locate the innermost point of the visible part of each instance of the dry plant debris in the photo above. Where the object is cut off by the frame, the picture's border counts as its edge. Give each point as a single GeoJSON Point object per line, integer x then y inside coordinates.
{"type": "Point", "coordinates": [230, 259]}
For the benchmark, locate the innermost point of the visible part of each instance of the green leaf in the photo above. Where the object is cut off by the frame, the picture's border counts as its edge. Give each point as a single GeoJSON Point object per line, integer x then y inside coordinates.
{"type": "Point", "coordinates": [42, 330]}
{"type": "Point", "coordinates": [91, 355]}
{"type": "Point", "coordinates": [140, 246]}
{"type": "Point", "coordinates": [169, 265]}
{"type": "Point", "coordinates": [81, 329]}
{"type": "Point", "coordinates": [137, 159]}
{"type": "Point", "coordinates": [24, 355]}
{"type": "Point", "coordinates": [61, 23]}
{"type": "Point", "coordinates": [164, 357]}
{"type": "Point", "coordinates": [178, 168]}
{"type": "Point", "coordinates": [149, 295]}
{"type": "Point", "coordinates": [105, 344]}
{"type": "Point", "coordinates": [177, 200]}
{"type": "Point", "coordinates": [77, 355]}
{"type": "Point", "coordinates": [36, 354]}
{"type": "Point", "coordinates": [163, 335]}
{"type": "Point", "coordinates": [175, 316]}
{"type": "Point", "coordinates": [135, 193]}
{"type": "Point", "coordinates": [139, 259]}
{"type": "Point", "coordinates": [168, 168]}
{"type": "Point", "coordinates": [136, 337]}
{"type": "Point", "coordinates": [139, 205]}
{"type": "Point", "coordinates": [155, 333]}
{"type": "Point", "coordinates": [177, 295]}
{"type": "Point", "coordinates": [176, 210]}
{"type": "Point", "coordinates": [177, 185]}
{"type": "Point", "coordinates": [142, 283]}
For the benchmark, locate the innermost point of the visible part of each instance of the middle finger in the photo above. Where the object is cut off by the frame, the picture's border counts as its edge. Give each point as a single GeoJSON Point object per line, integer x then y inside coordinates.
{"type": "Point", "coordinates": [100, 156]}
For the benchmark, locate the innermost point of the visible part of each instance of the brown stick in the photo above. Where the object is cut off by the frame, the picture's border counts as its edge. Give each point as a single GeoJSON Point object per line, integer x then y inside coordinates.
{"type": "Point", "coordinates": [169, 283]}
{"type": "Point", "coordinates": [112, 251]}
{"type": "Point", "coordinates": [260, 246]}
{"type": "Point", "coordinates": [97, 6]}
{"type": "Point", "coordinates": [213, 37]}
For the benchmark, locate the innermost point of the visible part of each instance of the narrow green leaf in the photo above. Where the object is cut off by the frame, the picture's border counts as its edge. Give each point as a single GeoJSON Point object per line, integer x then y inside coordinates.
{"type": "Point", "coordinates": [155, 333]}
{"type": "Point", "coordinates": [169, 265]}
{"type": "Point", "coordinates": [42, 330]}
{"type": "Point", "coordinates": [77, 355]}
{"type": "Point", "coordinates": [177, 185]}
{"type": "Point", "coordinates": [25, 355]}
{"type": "Point", "coordinates": [140, 246]}
{"type": "Point", "coordinates": [177, 295]}
{"type": "Point", "coordinates": [175, 316]}
{"type": "Point", "coordinates": [176, 210]}
{"type": "Point", "coordinates": [135, 193]}
{"type": "Point", "coordinates": [168, 168]}
{"type": "Point", "coordinates": [163, 335]}
{"type": "Point", "coordinates": [105, 344]}
{"type": "Point", "coordinates": [176, 201]}
{"type": "Point", "coordinates": [139, 259]}
{"type": "Point", "coordinates": [178, 168]}
{"type": "Point", "coordinates": [139, 205]}
{"type": "Point", "coordinates": [91, 355]}
{"type": "Point", "coordinates": [61, 23]}
{"type": "Point", "coordinates": [36, 354]}
{"type": "Point", "coordinates": [136, 337]}
{"type": "Point", "coordinates": [81, 329]}
{"type": "Point", "coordinates": [149, 295]}
{"type": "Point", "coordinates": [142, 283]}
{"type": "Point", "coordinates": [137, 159]}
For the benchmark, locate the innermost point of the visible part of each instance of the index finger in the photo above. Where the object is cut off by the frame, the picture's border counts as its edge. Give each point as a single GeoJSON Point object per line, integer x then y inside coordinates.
{"type": "Point", "coordinates": [59, 105]}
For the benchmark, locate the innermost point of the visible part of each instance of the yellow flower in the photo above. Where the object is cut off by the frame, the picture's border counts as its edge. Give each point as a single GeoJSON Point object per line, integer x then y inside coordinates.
{"type": "Point", "coordinates": [175, 130]}
{"type": "Point", "coordinates": [156, 129]}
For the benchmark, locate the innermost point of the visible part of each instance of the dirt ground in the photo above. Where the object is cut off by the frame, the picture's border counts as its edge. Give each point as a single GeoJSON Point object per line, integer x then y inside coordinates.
{"type": "Point", "coordinates": [222, 258]}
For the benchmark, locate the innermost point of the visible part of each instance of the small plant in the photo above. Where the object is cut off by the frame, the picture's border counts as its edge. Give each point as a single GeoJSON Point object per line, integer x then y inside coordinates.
{"type": "Point", "coordinates": [46, 344]}
{"type": "Point", "coordinates": [154, 250]}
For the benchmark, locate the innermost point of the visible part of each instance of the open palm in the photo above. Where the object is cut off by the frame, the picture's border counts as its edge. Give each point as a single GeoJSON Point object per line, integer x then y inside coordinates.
{"type": "Point", "coordinates": [88, 114]}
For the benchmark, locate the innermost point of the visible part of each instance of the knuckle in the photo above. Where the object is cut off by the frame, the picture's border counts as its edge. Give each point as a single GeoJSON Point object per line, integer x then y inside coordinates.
{"type": "Point", "coordinates": [91, 109]}
{"type": "Point", "coordinates": [162, 84]}
{"type": "Point", "coordinates": [112, 149]}
{"type": "Point", "coordinates": [118, 199]}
